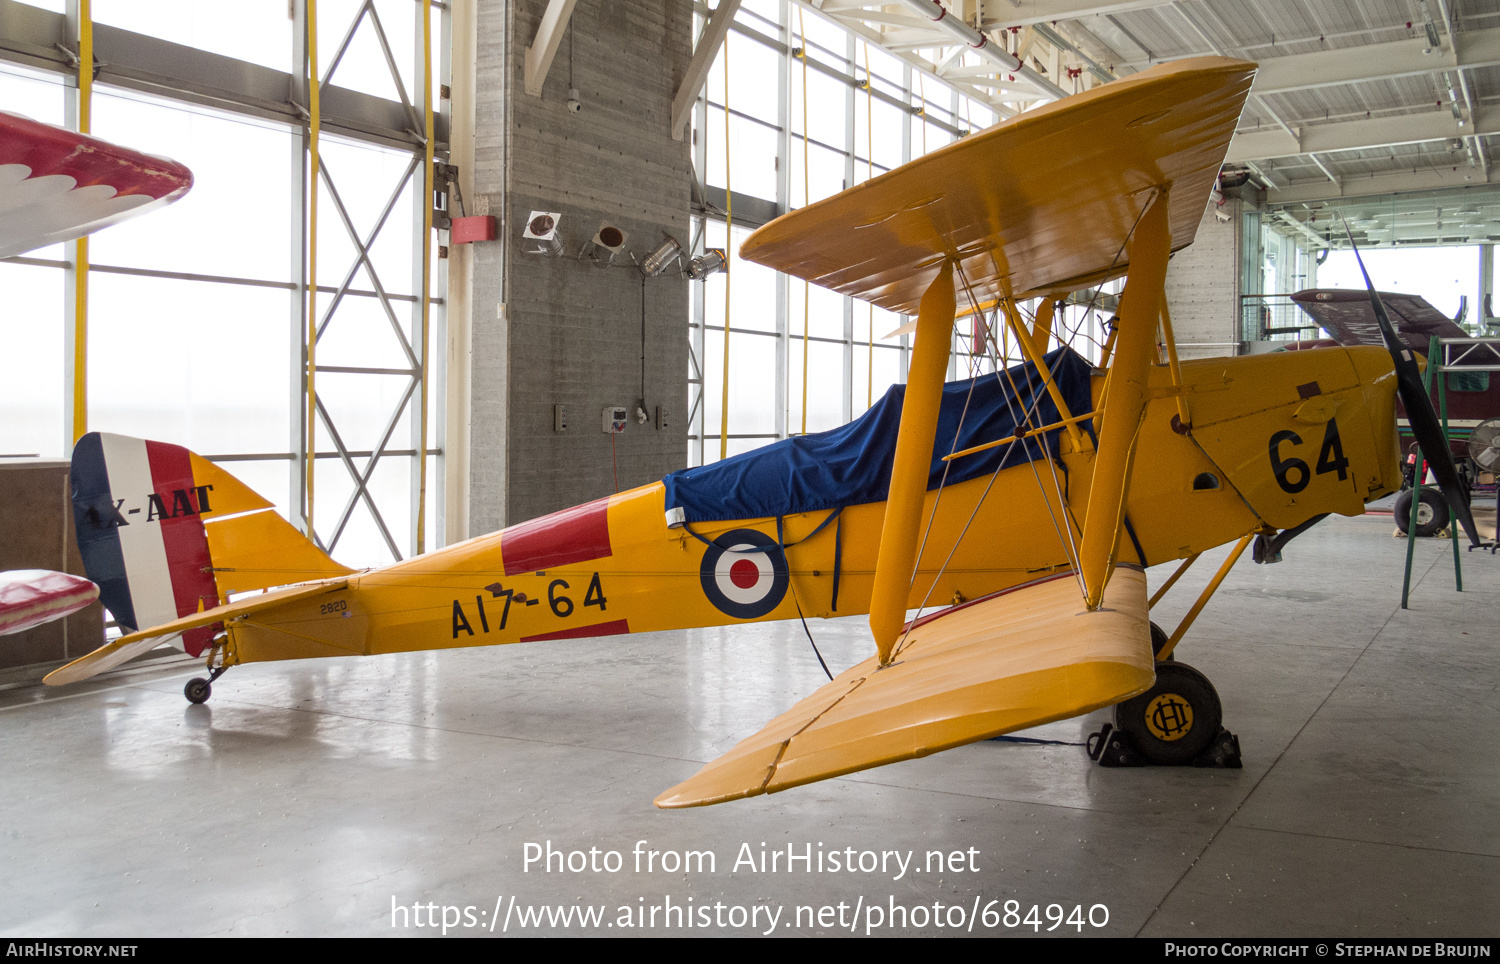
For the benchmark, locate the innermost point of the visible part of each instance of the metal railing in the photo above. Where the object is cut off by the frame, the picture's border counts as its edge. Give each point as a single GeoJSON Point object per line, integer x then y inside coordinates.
{"type": "Point", "coordinates": [1275, 317]}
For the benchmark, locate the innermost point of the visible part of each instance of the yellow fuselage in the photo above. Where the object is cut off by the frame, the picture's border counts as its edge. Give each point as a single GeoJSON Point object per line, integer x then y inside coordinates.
{"type": "Point", "coordinates": [1275, 440]}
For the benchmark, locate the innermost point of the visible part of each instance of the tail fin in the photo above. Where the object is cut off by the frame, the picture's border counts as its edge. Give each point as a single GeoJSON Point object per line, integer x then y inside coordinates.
{"type": "Point", "coordinates": [165, 533]}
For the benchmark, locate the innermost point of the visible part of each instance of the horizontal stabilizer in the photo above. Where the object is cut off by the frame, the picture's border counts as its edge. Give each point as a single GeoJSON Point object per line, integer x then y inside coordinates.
{"type": "Point", "coordinates": [258, 550]}
{"type": "Point", "coordinates": [117, 651]}
{"type": "Point", "coordinates": [1017, 659]}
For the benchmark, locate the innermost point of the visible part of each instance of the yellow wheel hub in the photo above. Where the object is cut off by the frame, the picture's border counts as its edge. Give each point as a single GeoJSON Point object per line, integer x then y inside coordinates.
{"type": "Point", "coordinates": [1169, 717]}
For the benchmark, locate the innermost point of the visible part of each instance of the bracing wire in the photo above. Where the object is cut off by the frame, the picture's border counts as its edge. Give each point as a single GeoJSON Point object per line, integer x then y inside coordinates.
{"type": "Point", "coordinates": [1064, 542]}
{"type": "Point", "coordinates": [1027, 418]}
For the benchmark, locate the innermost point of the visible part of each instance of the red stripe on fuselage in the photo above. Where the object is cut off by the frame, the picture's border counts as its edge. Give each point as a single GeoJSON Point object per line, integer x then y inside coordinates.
{"type": "Point", "coordinates": [183, 537]}
{"type": "Point", "coordinates": [616, 627]}
{"type": "Point", "coordinates": [572, 535]}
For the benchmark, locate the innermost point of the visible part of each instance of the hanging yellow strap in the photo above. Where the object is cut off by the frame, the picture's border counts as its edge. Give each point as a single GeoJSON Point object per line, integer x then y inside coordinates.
{"type": "Point", "coordinates": [922, 92]}
{"type": "Point", "coordinates": [314, 120]}
{"type": "Point", "coordinates": [806, 199]}
{"type": "Point", "coordinates": [870, 166]}
{"type": "Point", "coordinates": [81, 246]}
{"type": "Point", "coordinates": [428, 133]}
{"type": "Point", "coordinates": [728, 258]}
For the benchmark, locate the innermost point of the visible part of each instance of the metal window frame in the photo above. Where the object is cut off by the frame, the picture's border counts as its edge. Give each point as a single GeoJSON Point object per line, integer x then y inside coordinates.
{"type": "Point", "coordinates": [752, 212]}
{"type": "Point", "coordinates": [44, 41]}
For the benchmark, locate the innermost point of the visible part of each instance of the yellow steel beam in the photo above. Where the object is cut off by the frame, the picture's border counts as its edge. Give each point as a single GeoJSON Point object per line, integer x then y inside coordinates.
{"type": "Point", "coordinates": [897, 557]}
{"type": "Point", "coordinates": [1124, 400]}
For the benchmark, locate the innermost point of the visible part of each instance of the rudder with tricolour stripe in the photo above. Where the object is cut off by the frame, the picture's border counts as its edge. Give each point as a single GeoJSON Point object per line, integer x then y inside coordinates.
{"type": "Point", "coordinates": [166, 533]}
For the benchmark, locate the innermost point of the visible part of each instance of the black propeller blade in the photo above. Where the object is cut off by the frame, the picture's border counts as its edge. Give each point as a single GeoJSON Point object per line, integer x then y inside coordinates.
{"type": "Point", "coordinates": [1419, 414]}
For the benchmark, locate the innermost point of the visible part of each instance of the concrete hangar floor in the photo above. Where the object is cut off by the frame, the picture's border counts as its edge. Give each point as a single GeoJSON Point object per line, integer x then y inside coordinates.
{"type": "Point", "coordinates": [329, 797]}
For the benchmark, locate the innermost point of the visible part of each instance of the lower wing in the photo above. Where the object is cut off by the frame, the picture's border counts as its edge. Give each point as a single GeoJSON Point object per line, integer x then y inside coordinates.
{"type": "Point", "coordinates": [1017, 659]}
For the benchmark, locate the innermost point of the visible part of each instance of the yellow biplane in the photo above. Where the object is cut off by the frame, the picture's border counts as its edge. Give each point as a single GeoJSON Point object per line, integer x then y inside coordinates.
{"type": "Point", "coordinates": [1026, 503]}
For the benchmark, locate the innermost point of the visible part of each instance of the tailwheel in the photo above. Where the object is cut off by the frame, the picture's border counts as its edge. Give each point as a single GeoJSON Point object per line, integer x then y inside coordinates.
{"type": "Point", "coordinates": [1173, 722]}
{"type": "Point", "coordinates": [198, 689]}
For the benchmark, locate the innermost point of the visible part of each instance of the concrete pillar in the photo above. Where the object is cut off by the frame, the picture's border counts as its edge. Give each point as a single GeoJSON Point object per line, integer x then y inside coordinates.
{"type": "Point", "coordinates": [556, 330]}
{"type": "Point", "coordinates": [1202, 287]}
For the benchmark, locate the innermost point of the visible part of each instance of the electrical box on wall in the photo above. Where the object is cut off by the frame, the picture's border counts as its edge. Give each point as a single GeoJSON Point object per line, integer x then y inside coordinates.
{"type": "Point", "coordinates": [559, 418]}
{"type": "Point", "coordinates": [479, 227]}
{"type": "Point", "coordinates": [662, 416]}
{"type": "Point", "coordinates": [615, 417]}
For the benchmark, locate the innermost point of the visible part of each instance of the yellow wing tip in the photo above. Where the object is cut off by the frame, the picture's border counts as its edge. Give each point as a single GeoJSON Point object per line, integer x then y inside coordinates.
{"type": "Point", "coordinates": [682, 796]}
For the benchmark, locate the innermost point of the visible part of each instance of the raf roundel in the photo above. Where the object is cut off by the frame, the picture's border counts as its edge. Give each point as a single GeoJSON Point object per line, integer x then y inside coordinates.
{"type": "Point", "coordinates": [744, 574]}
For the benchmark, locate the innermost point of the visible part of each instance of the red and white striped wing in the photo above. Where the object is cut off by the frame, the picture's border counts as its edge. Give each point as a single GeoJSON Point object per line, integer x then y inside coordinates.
{"type": "Point", "coordinates": [31, 597]}
{"type": "Point", "coordinates": [57, 184]}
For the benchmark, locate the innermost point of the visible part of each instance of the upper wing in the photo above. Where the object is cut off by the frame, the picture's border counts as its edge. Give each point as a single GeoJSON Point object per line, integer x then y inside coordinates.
{"type": "Point", "coordinates": [1347, 315]}
{"type": "Point", "coordinates": [1041, 203]}
{"type": "Point", "coordinates": [1016, 659]}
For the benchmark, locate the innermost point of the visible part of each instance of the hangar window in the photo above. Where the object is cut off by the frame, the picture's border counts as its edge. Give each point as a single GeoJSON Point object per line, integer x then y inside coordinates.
{"type": "Point", "coordinates": [1462, 381]}
{"type": "Point", "coordinates": [197, 314]}
{"type": "Point", "coordinates": [864, 112]}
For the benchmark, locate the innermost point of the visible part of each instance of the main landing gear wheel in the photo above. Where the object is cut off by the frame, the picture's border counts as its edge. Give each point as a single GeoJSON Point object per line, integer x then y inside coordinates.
{"type": "Point", "coordinates": [197, 690]}
{"type": "Point", "coordinates": [1432, 512]}
{"type": "Point", "coordinates": [1159, 639]}
{"type": "Point", "coordinates": [1175, 720]}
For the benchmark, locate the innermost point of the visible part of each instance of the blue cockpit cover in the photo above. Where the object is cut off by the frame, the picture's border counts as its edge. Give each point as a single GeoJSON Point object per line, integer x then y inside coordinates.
{"type": "Point", "coordinates": [851, 465]}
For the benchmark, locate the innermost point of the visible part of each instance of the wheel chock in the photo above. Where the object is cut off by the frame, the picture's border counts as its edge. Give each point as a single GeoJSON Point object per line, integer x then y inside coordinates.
{"type": "Point", "coordinates": [1223, 752]}
{"type": "Point", "coordinates": [1112, 747]}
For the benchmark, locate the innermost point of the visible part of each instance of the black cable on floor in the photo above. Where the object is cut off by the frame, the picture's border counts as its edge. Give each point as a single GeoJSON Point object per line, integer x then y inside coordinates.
{"type": "Point", "coordinates": [1028, 739]}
